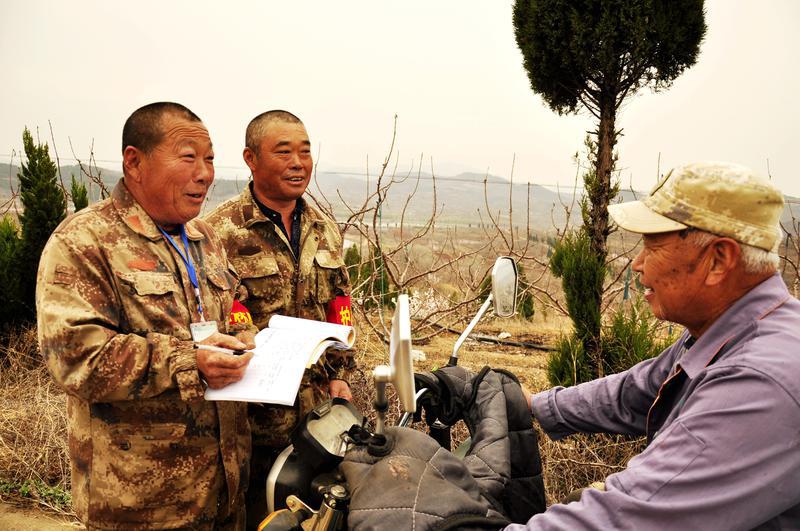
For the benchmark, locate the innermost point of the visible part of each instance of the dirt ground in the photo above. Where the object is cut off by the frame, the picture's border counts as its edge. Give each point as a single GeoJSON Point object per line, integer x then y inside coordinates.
{"type": "Point", "coordinates": [21, 518]}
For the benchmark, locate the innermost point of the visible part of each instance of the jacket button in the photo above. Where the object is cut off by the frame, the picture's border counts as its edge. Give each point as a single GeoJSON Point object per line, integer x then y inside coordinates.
{"type": "Point", "coordinates": [125, 445]}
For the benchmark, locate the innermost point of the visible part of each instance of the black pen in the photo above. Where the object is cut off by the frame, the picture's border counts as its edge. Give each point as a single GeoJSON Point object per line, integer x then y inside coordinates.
{"type": "Point", "coordinates": [237, 352]}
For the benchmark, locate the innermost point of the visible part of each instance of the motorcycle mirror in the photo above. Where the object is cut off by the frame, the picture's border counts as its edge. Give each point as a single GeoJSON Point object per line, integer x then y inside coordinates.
{"type": "Point", "coordinates": [504, 286]}
{"type": "Point", "coordinates": [400, 371]}
{"type": "Point", "coordinates": [400, 355]}
{"type": "Point", "coordinates": [503, 295]}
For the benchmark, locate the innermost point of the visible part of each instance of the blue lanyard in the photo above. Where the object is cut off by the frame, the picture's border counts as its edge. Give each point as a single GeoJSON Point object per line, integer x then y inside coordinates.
{"type": "Point", "coordinates": [187, 260]}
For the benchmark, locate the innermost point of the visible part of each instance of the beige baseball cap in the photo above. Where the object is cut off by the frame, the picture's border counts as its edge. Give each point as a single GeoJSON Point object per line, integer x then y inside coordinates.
{"type": "Point", "coordinates": [721, 198]}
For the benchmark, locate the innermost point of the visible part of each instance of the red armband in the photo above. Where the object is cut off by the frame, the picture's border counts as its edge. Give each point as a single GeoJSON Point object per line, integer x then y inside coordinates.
{"type": "Point", "coordinates": [339, 311]}
{"type": "Point", "coordinates": [239, 314]}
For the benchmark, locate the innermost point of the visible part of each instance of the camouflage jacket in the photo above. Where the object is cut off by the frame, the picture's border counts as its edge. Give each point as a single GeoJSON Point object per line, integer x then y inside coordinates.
{"type": "Point", "coordinates": [278, 283]}
{"type": "Point", "coordinates": [114, 305]}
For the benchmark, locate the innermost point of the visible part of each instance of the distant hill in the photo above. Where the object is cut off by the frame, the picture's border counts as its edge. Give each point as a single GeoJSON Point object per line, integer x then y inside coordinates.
{"type": "Point", "coordinates": [460, 198]}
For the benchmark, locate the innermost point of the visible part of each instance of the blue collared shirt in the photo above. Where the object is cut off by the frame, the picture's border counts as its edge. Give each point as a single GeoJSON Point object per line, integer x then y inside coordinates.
{"type": "Point", "coordinates": [724, 448]}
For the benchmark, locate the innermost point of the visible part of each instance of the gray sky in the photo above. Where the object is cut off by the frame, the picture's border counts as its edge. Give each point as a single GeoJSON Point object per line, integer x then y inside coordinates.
{"type": "Point", "coordinates": [450, 70]}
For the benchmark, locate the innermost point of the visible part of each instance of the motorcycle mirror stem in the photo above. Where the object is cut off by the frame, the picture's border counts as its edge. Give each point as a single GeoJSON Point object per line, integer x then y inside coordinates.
{"type": "Point", "coordinates": [467, 331]}
{"type": "Point", "coordinates": [381, 375]}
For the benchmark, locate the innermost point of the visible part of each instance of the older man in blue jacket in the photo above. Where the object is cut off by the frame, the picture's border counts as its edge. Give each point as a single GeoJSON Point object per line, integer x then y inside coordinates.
{"type": "Point", "coordinates": [721, 406]}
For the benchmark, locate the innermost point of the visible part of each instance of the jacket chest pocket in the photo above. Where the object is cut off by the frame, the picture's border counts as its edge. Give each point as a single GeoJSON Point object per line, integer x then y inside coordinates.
{"type": "Point", "coordinates": [329, 275]}
{"type": "Point", "coordinates": [150, 300]}
{"type": "Point", "coordinates": [221, 283]}
{"type": "Point", "coordinates": [267, 292]}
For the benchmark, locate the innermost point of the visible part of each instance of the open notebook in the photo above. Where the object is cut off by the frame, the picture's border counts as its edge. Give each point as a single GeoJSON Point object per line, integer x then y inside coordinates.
{"type": "Point", "coordinates": [283, 351]}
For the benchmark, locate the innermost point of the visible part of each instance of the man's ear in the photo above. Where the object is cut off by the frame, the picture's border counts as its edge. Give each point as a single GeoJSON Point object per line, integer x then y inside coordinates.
{"type": "Point", "coordinates": [132, 159]}
{"type": "Point", "coordinates": [724, 255]}
{"type": "Point", "coordinates": [250, 157]}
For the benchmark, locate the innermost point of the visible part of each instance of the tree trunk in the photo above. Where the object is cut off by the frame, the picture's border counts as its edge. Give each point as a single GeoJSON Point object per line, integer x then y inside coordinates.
{"type": "Point", "coordinates": [598, 229]}
{"type": "Point", "coordinates": [604, 165]}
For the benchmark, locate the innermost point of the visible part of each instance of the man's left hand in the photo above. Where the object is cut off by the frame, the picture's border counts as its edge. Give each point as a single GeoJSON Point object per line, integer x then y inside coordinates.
{"type": "Point", "coordinates": [248, 337]}
{"type": "Point", "coordinates": [341, 389]}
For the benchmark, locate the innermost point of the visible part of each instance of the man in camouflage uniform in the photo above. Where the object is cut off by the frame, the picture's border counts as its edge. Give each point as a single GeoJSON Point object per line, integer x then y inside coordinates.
{"type": "Point", "coordinates": [289, 257]}
{"type": "Point", "coordinates": [117, 296]}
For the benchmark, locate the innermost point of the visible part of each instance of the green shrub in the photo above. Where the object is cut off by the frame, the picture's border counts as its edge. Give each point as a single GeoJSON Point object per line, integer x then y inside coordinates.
{"type": "Point", "coordinates": [567, 365]}
{"type": "Point", "coordinates": [525, 306]}
{"type": "Point", "coordinates": [380, 290]}
{"type": "Point", "coordinates": [370, 281]}
{"type": "Point", "coordinates": [632, 335]}
{"type": "Point", "coordinates": [581, 272]}
{"type": "Point", "coordinates": [10, 248]}
{"type": "Point", "coordinates": [80, 197]}
{"type": "Point", "coordinates": [352, 258]}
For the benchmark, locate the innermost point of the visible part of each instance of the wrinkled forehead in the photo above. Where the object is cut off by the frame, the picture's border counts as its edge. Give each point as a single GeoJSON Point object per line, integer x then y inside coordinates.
{"type": "Point", "coordinates": [279, 131]}
{"type": "Point", "coordinates": [177, 130]}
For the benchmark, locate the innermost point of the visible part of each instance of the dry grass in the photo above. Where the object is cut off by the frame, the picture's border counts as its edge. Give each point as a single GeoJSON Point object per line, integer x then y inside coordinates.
{"type": "Point", "coordinates": [33, 424]}
{"type": "Point", "coordinates": [580, 460]}
{"type": "Point", "coordinates": [33, 444]}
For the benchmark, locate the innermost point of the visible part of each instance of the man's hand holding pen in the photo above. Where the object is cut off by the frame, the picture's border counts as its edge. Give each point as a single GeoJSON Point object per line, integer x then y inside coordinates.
{"type": "Point", "coordinates": [222, 365]}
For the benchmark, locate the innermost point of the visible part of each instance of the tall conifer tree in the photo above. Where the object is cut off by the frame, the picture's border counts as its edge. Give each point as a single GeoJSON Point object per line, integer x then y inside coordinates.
{"type": "Point", "coordinates": [45, 206]}
{"type": "Point", "coordinates": [593, 55]}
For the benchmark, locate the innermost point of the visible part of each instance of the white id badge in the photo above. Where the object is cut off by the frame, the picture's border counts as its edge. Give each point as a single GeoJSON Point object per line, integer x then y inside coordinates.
{"type": "Point", "coordinates": [202, 330]}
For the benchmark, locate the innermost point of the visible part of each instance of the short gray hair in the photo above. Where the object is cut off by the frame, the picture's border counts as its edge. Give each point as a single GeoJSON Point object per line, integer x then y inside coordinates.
{"type": "Point", "coordinates": [257, 127]}
{"type": "Point", "coordinates": [755, 260]}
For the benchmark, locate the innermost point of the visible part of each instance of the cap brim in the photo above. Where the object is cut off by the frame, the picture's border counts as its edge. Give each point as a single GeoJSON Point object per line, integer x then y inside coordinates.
{"type": "Point", "coordinates": [636, 217]}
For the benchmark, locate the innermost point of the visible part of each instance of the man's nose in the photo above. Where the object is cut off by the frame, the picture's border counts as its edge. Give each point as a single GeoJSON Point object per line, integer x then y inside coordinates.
{"type": "Point", "coordinates": [204, 171]}
{"type": "Point", "coordinates": [638, 262]}
{"type": "Point", "coordinates": [295, 161]}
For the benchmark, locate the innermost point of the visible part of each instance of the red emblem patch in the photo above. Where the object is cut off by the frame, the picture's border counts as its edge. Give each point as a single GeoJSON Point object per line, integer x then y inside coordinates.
{"type": "Point", "coordinates": [339, 311]}
{"type": "Point", "coordinates": [240, 314]}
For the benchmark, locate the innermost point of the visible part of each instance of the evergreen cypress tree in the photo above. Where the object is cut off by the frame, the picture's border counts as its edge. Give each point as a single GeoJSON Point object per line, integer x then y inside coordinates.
{"type": "Point", "coordinates": [351, 260]}
{"type": "Point", "coordinates": [44, 208]}
{"type": "Point", "coordinates": [594, 55]}
{"type": "Point", "coordinates": [80, 197]}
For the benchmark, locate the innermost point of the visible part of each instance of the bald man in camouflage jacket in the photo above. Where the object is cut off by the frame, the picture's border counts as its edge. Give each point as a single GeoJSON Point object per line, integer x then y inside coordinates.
{"type": "Point", "coordinates": [289, 256]}
{"type": "Point", "coordinates": [116, 303]}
